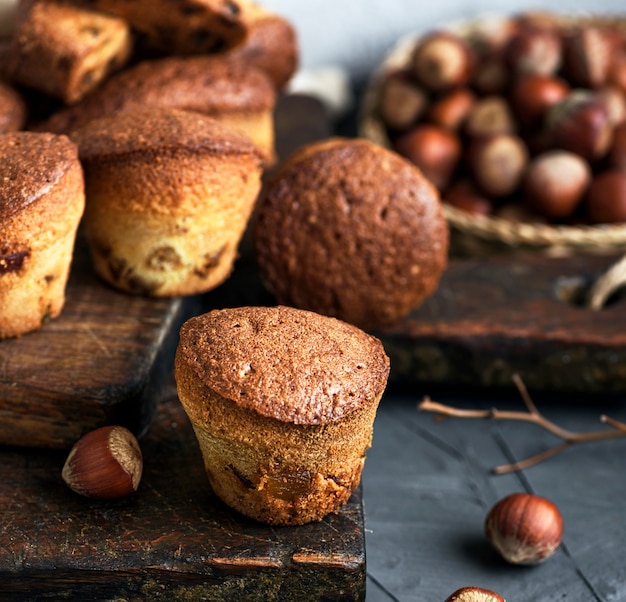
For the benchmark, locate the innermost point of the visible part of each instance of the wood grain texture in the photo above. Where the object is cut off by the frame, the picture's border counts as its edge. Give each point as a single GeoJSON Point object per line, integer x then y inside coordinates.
{"type": "Point", "coordinates": [99, 362]}
{"type": "Point", "coordinates": [172, 540]}
{"type": "Point", "coordinates": [496, 316]}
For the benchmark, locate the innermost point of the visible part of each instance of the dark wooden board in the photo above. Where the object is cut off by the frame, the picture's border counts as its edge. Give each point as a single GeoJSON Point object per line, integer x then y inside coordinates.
{"type": "Point", "coordinates": [496, 316]}
{"type": "Point", "coordinates": [172, 540]}
{"type": "Point", "coordinates": [99, 362]}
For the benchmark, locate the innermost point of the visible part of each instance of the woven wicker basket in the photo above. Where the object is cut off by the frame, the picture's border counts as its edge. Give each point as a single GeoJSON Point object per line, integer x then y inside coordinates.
{"type": "Point", "coordinates": [476, 235]}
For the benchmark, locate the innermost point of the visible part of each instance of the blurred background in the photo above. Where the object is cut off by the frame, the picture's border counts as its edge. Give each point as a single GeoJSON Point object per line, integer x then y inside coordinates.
{"type": "Point", "coordinates": [355, 34]}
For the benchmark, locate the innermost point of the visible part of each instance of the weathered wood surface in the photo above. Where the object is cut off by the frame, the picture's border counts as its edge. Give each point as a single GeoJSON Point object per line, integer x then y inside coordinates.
{"type": "Point", "coordinates": [495, 316]}
{"type": "Point", "coordinates": [172, 540]}
{"type": "Point", "coordinates": [99, 362]}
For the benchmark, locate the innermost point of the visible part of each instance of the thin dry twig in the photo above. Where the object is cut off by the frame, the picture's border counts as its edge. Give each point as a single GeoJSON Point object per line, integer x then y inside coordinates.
{"type": "Point", "coordinates": [533, 416]}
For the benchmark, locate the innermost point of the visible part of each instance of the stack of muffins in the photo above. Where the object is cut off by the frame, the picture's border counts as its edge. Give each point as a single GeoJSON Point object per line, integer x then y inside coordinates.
{"type": "Point", "coordinates": [151, 123]}
{"type": "Point", "coordinates": [155, 120]}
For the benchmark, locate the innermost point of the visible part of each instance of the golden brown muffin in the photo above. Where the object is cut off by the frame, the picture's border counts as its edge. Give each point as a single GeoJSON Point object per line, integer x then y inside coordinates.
{"type": "Point", "coordinates": [41, 202]}
{"type": "Point", "coordinates": [237, 95]}
{"type": "Point", "coordinates": [349, 229]}
{"type": "Point", "coordinates": [282, 402]}
{"type": "Point", "coordinates": [65, 51]}
{"type": "Point", "coordinates": [169, 194]}
{"type": "Point", "coordinates": [271, 45]}
{"type": "Point", "coordinates": [13, 109]}
{"type": "Point", "coordinates": [181, 26]}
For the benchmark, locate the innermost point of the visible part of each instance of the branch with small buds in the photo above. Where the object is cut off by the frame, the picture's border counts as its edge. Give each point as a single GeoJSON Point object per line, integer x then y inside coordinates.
{"type": "Point", "coordinates": [533, 416]}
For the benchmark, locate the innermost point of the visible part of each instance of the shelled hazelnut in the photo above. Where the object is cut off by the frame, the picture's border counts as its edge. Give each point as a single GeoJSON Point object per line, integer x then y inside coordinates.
{"type": "Point", "coordinates": [474, 594]}
{"type": "Point", "coordinates": [435, 150]}
{"type": "Point", "coordinates": [587, 55]}
{"type": "Point", "coordinates": [104, 464]}
{"type": "Point", "coordinates": [402, 102]}
{"type": "Point", "coordinates": [489, 116]}
{"type": "Point", "coordinates": [524, 528]}
{"type": "Point", "coordinates": [534, 49]}
{"type": "Point", "coordinates": [451, 110]}
{"type": "Point", "coordinates": [556, 182]}
{"type": "Point", "coordinates": [497, 163]}
{"type": "Point", "coordinates": [580, 123]}
{"type": "Point", "coordinates": [546, 84]}
{"type": "Point", "coordinates": [533, 94]}
{"type": "Point", "coordinates": [442, 60]}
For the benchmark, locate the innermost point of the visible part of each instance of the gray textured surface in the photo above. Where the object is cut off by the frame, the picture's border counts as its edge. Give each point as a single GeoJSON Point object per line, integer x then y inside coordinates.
{"type": "Point", "coordinates": [355, 34]}
{"type": "Point", "coordinates": [428, 485]}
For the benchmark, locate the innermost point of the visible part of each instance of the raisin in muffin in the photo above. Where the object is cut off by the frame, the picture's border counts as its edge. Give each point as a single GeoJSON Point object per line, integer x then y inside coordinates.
{"type": "Point", "coordinates": [352, 230]}
{"type": "Point", "coordinates": [42, 199]}
{"type": "Point", "coordinates": [282, 402]}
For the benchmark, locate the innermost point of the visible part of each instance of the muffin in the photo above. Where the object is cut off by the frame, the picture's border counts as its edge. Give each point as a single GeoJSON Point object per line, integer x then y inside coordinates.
{"type": "Point", "coordinates": [65, 51]}
{"type": "Point", "coordinates": [190, 27]}
{"type": "Point", "coordinates": [351, 230]}
{"type": "Point", "coordinates": [13, 110]}
{"type": "Point", "coordinates": [271, 45]}
{"type": "Point", "coordinates": [169, 194]}
{"type": "Point", "coordinates": [238, 95]}
{"type": "Point", "coordinates": [282, 402]}
{"type": "Point", "coordinates": [41, 202]}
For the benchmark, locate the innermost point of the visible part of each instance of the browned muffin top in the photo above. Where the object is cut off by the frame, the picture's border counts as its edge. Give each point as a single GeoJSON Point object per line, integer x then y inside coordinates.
{"type": "Point", "coordinates": [292, 365]}
{"type": "Point", "coordinates": [350, 229]}
{"type": "Point", "coordinates": [31, 164]}
{"type": "Point", "coordinates": [209, 85]}
{"type": "Point", "coordinates": [159, 131]}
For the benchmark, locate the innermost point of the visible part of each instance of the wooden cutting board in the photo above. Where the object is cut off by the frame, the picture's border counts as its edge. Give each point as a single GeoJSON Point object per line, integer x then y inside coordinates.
{"type": "Point", "coordinates": [172, 540]}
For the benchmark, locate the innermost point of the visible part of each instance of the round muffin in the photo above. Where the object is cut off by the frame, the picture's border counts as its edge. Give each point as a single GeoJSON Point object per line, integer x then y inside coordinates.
{"type": "Point", "coordinates": [230, 91]}
{"type": "Point", "coordinates": [65, 51]}
{"type": "Point", "coordinates": [42, 199]}
{"type": "Point", "coordinates": [282, 402]}
{"type": "Point", "coordinates": [352, 230]}
{"type": "Point", "coordinates": [271, 45]}
{"type": "Point", "coordinates": [169, 195]}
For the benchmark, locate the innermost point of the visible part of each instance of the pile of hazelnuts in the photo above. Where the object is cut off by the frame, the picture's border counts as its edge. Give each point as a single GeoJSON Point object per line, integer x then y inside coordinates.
{"type": "Point", "coordinates": [525, 120]}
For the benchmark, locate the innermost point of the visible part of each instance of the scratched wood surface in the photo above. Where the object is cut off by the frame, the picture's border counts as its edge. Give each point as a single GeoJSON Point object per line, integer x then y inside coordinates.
{"type": "Point", "coordinates": [172, 540]}
{"type": "Point", "coordinates": [99, 362]}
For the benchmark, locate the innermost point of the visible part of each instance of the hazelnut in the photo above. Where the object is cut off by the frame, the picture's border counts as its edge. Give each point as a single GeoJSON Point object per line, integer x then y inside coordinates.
{"type": "Point", "coordinates": [463, 195]}
{"type": "Point", "coordinates": [606, 200]}
{"type": "Point", "coordinates": [104, 464]}
{"type": "Point", "coordinates": [524, 528]}
{"type": "Point", "coordinates": [556, 182]}
{"type": "Point", "coordinates": [489, 116]}
{"type": "Point", "coordinates": [434, 150]}
{"type": "Point", "coordinates": [587, 56]}
{"type": "Point", "coordinates": [442, 60]}
{"type": "Point", "coordinates": [498, 163]}
{"type": "Point", "coordinates": [534, 49]}
{"type": "Point", "coordinates": [580, 123]}
{"type": "Point", "coordinates": [402, 102]}
{"type": "Point", "coordinates": [533, 94]}
{"type": "Point", "coordinates": [617, 152]}
{"type": "Point", "coordinates": [451, 110]}
{"type": "Point", "coordinates": [491, 75]}
{"type": "Point", "coordinates": [474, 594]}
{"type": "Point", "coordinates": [614, 100]}
{"type": "Point", "coordinates": [617, 71]}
